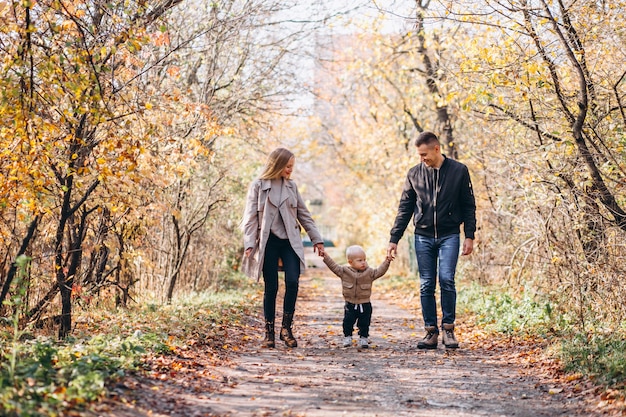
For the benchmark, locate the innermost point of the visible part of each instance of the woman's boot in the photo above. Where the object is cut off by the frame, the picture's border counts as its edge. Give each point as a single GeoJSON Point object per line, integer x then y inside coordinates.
{"type": "Point", "coordinates": [268, 342]}
{"type": "Point", "coordinates": [285, 332]}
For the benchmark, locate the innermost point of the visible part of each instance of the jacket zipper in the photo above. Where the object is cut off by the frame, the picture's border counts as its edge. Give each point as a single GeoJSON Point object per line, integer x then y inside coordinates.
{"type": "Point", "coordinates": [436, 174]}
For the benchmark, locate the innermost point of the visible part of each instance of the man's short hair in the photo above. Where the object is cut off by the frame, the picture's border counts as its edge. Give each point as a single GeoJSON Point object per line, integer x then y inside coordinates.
{"type": "Point", "coordinates": [426, 138]}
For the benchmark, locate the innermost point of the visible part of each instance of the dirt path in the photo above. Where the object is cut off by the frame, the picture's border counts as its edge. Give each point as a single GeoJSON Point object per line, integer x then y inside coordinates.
{"type": "Point", "coordinates": [321, 378]}
{"type": "Point", "coordinates": [391, 378]}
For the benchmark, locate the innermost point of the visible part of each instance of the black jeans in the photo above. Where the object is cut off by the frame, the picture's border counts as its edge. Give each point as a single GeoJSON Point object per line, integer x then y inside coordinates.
{"type": "Point", "coordinates": [274, 250]}
{"type": "Point", "coordinates": [361, 314]}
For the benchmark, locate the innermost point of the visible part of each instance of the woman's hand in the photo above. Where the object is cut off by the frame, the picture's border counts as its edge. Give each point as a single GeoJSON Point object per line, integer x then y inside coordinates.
{"type": "Point", "coordinates": [319, 248]}
{"type": "Point", "coordinates": [247, 252]}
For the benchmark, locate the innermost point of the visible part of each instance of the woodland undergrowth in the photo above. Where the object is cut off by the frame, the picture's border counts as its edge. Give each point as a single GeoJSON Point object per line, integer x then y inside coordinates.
{"type": "Point", "coordinates": [525, 318]}
{"type": "Point", "coordinates": [42, 376]}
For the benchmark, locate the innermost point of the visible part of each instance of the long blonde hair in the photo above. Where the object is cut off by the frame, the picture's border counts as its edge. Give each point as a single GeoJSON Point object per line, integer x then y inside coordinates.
{"type": "Point", "coordinates": [276, 162]}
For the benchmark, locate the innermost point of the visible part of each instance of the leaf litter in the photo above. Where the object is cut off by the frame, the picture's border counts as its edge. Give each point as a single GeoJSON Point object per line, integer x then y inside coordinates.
{"type": "Point", "coordinates": [486, 376]}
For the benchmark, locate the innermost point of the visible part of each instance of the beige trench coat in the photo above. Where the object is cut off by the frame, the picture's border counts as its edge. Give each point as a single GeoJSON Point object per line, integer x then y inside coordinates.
{"type": "Point", "coordinates": [262, 206]}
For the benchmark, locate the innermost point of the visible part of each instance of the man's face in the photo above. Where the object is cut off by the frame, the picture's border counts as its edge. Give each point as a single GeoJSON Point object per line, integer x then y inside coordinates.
{"type": "Point", "coordinates": [430, 154]}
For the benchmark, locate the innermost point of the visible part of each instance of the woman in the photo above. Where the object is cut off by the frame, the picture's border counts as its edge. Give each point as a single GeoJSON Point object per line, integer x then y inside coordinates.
{"type": "Point", "coordinates": [274, 215]}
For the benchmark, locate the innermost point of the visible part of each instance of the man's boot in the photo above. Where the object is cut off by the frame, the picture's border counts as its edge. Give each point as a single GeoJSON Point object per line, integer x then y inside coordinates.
{"type": "Point", "coordinates": [449, 340]}
{"type": "Point", "coordinates": [430, 340]}
{"type": "Point", "coordinates": [285, 332]}
{"type": "Point", "coordinates": [268, 342]}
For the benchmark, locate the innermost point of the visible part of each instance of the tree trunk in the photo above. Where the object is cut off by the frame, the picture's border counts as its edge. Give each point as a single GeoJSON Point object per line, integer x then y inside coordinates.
{"type": "Point", "coordinates": [444, 124]}
{"type": "Point", "coordinates": [13, 269]}
{"type": "Point", "coordinates": [66, 304]}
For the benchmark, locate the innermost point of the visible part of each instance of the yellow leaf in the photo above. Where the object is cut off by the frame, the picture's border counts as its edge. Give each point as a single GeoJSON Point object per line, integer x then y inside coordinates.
{"type": "Point", "coordinates": [67, 24]}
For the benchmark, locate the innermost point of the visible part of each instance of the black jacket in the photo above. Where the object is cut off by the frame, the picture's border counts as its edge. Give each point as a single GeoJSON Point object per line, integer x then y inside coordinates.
{"type": "Point", "coordinates": [437, 214]}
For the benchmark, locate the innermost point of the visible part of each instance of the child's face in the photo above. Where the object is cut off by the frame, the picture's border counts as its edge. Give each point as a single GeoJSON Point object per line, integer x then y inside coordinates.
{"type": "Point", "coordinates": [358, 262]}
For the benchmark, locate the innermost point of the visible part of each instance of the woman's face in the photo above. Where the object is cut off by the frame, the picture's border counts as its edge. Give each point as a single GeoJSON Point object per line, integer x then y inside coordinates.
{"type": "Point", "coordinates": [288, 169]}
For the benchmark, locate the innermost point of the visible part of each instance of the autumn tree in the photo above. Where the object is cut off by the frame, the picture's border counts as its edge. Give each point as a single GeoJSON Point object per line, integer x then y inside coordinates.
{"type": "Point", "coordinates": [228, 62]}
{"type": "Point", "coordinates": [377, 87]}
{"type": "Point", "coordinates": [127, 121]}
{"type": "Point", "coordinates": [533, 92]}
{"type": "Point", "coordinates": [550, 74]}
{"type": "Point", "coordinates": [69, 103]}
{"type": "Point", "coordinates": [359, 128]}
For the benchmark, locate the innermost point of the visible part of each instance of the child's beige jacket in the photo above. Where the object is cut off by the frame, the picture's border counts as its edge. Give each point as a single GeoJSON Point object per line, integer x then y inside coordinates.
{"type": "Point", "coordinates": [357, 286]}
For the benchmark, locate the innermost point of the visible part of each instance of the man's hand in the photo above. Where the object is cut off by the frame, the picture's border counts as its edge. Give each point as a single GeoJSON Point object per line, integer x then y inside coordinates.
{"type": "Point", "coordinates": [392, 250]}
{"type": "Point", "coordinates": [468, 246]}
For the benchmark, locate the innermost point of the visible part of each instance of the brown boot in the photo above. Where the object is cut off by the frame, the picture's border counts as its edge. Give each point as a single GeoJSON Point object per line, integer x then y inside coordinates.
{"type": "Point", "coordinates": [268, 342]}
{"type": "Point", "coordinates": [430, 340]}
{"type": "Point", "coordinates": [449, 340]}
{"type": "Point", "coordinates": [285, 332]}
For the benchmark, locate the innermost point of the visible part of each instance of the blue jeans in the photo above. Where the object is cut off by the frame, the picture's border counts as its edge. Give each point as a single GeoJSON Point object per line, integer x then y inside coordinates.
{"type": "Point", "coordinates": [439, 254]}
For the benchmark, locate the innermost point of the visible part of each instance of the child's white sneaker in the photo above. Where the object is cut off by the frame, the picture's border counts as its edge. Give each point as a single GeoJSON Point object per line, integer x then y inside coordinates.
{"type": "Point", "coordinates": [363, 342]}
{"type": "Point", "coordinates": [347, 341]}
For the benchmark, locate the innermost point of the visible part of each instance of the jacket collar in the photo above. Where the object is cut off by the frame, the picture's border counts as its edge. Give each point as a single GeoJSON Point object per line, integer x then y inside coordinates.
{"type": "Point", "coordinates": [266, 184]}
{"type": "Point", "coordinates": [443, 163]}
{"type": "Point", "coordinates": [276, 194]}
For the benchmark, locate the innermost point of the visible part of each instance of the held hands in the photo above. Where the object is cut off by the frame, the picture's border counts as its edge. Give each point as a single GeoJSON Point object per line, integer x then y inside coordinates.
{"type": "Point", "coordinates": [319, 248]}
{"type": "Point", "coordinates": [392, 251]}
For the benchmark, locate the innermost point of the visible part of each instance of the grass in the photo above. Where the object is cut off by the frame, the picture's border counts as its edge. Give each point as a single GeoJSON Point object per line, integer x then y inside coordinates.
{"type": "Point", "coordinates": [501, 310]}
{"type": "Point", "coordinates": [602, 357]}
{"type": "Point", "coordinates": [50, 376]}
{"type": "Point", "coordinates": [522, 312]}
{"type": "Point", "coordinates": [41, 376]}
{"type": "Point", "coordinates": [595, 353]}
{"type": "Point", "coordinates": [495, 309]}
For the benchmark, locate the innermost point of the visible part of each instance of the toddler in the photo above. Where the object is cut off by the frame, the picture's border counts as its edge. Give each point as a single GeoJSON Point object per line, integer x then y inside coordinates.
{"type": "Point", "coordinates": [356, 280]}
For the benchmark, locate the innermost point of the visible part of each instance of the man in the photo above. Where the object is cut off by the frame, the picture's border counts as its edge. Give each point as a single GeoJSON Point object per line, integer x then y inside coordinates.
{"type": "Point", "coordinates": [438, 195]}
